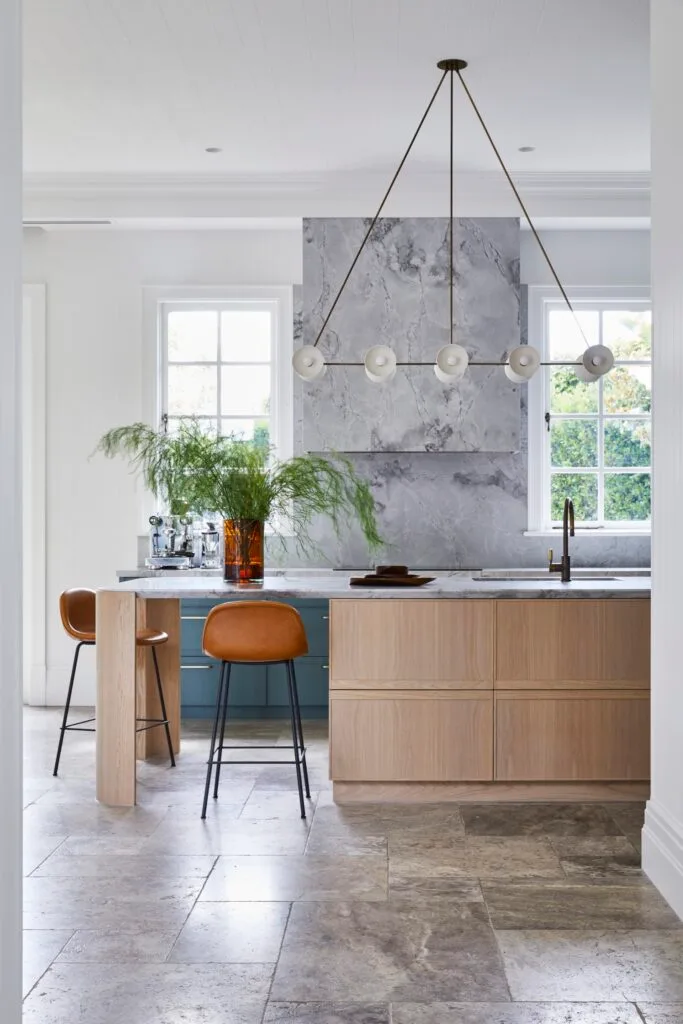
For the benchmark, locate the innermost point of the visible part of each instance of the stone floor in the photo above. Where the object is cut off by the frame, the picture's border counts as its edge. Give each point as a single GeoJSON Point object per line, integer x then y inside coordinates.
{"type": "Point", "coordinates": [472, 914]}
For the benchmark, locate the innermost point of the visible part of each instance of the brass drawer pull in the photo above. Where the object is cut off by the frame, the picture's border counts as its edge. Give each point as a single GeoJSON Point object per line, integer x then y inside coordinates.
{"type": "Point", "coordinates": [324, 617]}
{"type": "Point", "coordinates": [193, 618]}
{"type": "Point", "coordinates": [324, 667]}
{"type": "Point", "coordinates": [198, 668]}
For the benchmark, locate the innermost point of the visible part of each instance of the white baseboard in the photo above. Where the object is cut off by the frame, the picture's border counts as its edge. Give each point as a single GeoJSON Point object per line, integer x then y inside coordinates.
{"type": "Point", "coordinates": [57, 682]}
{"type": "Point", "coordinates": [663, 854]}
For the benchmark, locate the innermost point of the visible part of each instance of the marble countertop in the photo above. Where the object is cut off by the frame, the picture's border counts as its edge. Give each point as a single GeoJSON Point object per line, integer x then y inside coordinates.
{"type": "Point", "coordinates": [333, 585]}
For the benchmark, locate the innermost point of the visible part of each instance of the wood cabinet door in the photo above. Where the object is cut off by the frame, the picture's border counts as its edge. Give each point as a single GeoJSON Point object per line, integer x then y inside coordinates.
{"type": "Point", "coordinates": [572, 644]}
{"type": "Point", "coordinates": [566, 736]}
{"type": "Point", "coordinates": [408, 736]}
{"type": "Point", "coordinates": [411, 644]}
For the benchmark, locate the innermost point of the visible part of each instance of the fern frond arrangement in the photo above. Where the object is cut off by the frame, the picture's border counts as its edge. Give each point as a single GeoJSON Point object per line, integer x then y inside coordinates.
{"type": "Point", "coordinates": [241, 479]}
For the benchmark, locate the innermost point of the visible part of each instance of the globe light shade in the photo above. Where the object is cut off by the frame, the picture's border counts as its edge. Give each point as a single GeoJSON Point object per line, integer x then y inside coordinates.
{"type": "Point", "coordinates": [380, 363]}
{"type": "Point", "coordinates": [583, 374]}
{"type": "Point", "coordinates": [523, 362]}
{"type": "Point", "coordinates": [308, 362]}
{"type": "Point", "coordinates": [598, 360]}
{"type": "Point", "coordinates": [451, 363]}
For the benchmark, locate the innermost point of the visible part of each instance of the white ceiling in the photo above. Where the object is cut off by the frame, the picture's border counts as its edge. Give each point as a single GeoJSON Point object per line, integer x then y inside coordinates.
{"type": "Point", "coordinates": [290, 88]}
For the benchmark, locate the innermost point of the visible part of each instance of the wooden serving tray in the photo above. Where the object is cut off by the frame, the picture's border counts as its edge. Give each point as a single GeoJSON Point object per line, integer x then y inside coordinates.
{"type": "Point", "coordinates": [390, 581]}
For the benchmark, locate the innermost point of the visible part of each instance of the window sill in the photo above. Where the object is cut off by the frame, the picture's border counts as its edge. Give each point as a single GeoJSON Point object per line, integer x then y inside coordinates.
{"type": "Point", "coordinates": [597, 532]}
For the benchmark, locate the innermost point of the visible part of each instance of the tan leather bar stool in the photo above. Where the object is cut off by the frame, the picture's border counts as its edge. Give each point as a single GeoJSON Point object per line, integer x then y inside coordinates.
{"type": "Point", "coordinates": [77, 609]}
{"type": "Point", "coordinates": [255, 633]}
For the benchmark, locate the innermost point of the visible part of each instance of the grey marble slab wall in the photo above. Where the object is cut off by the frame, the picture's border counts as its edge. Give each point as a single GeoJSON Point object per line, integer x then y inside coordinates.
{"type": "Point", "coordinates": [449, 510]}
{"type": "Point", "coordinates": [398, 295]}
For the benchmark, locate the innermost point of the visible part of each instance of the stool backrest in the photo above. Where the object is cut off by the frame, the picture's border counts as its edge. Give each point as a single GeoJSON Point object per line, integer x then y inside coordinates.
{"type": "Point", "coordinates": [77, 609]}
{"type": "Point", "coordinates": [254, 631]}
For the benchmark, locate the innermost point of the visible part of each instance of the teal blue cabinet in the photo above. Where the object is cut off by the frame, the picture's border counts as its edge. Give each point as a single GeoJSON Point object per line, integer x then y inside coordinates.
{"type": "Point", "coordinates": [256, 691]}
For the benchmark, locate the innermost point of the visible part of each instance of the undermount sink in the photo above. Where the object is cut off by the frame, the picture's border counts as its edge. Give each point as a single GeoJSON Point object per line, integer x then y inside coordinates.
{"type": "Point", "coordinates": [543, 574]}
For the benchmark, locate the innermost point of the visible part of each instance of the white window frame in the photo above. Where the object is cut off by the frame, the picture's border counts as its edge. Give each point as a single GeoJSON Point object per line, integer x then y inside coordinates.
{"type": "Point", "coordinates": [541, 300]}
{"type": "Point", "coordinates": [155, 352]}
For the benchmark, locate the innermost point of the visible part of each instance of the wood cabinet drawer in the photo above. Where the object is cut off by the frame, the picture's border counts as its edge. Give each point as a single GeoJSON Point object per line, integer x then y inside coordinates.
{"type": "Point", "coordinates": [404, 644]}
{"type": "Point", "coordinates": [573, 735]}
{"type": "Point", "coordinates": [408, 736]}
{"type": "Point", "coordinates": [572, 644]}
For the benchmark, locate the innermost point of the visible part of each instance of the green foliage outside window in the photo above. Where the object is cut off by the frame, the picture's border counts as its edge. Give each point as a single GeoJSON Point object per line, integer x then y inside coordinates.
{"type": "Point", "coordinates": [574, 443]}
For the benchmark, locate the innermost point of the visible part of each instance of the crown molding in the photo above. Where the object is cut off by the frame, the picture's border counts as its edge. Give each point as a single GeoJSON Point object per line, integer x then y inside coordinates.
{"type": "Point", "coordinates": [417, 193]}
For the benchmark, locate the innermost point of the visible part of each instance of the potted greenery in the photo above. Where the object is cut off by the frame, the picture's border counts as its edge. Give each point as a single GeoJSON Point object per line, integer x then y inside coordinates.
{"type": "Point", "coordinates": [243, 482]}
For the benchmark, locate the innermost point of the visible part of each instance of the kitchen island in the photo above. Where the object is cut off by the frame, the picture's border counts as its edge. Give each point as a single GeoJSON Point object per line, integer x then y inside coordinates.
{"type": "Point", "coordinates": [464, 689]}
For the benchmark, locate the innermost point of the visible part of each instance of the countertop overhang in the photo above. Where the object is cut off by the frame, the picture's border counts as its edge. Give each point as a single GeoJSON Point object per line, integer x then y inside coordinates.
{"type": "Point", "coordinates": [334, 587]}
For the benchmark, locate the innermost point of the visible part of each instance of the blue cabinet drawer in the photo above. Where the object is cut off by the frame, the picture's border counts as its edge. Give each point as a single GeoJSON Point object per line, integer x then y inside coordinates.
{"type": "Point", "coordinates": [312, 676]}
{"type": "Point", "coordinates": [200, 678]}
{"type": "Point", "coordinates": [316, 620]}
{"type": "Point", "coordinates": [199, 682]}
{"type": "Point", "coordinates": [192, 627]}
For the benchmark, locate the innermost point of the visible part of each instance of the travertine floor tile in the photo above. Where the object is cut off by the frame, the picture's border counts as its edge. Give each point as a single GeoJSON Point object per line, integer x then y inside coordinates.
{"type": "Point", "coordinates": [325, 1013]}
{"type": "Point", "coordinates": [40, 949]}
{"type": "Point", "coordinates": [119, 945]}
{"type": "Point", "coordinates": [281, 805]}
{"type": "Point", "coordinates": [472, 856]}
{"type": "Point", "coordinates": [514, 1013]}
{"type": "Point", "coordinates": [150, 994]}
{"type": "Point", "coordinates": [236, 837]}
{"type": "Point", "coordinates": [101, 903]}
{"type": "Point", "coordinates": [526, 819]}
{"type": "Point", "coordinates": [638, 966]}
{"type": "Point", "coordinates": [662, 1013]}
{"type": "Point", "coordinates": [246, 933]}
{"type": "Point", "coordinates": [382, 952]}
{"type": "Point", "coordinates": [38, 848]}
{"type": "Point", "coordinates": [137, 867]}
{"type": "Point", "coordinates": [309, 877]}
{"type": "Point", "coordinates": [568, 906]}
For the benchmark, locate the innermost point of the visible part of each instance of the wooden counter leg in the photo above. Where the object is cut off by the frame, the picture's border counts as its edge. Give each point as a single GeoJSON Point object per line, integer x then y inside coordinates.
{"type": "Point", "coordinates": [115, 710]}
{"type": "Point", "coordinates": [159, 614]}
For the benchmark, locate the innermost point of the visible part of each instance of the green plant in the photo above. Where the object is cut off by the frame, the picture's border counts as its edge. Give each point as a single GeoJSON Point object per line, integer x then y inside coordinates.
{"type": "Point", "coordinates": [241, 479]}
{"type": "Point", "coordinates": [168, 463]}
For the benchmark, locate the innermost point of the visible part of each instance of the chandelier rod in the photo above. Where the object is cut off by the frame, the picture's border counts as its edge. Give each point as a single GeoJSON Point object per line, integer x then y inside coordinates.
{"type": "Point", "coordinates": [450, 227]}
{"type": "Point", "coordinates": [381, 206]}
{"type": "Point", "coordinates": [526, 213]}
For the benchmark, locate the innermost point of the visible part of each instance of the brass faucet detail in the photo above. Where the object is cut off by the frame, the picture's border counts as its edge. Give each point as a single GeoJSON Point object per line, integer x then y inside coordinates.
{"type": "Point", "coordinates": [564, 566]}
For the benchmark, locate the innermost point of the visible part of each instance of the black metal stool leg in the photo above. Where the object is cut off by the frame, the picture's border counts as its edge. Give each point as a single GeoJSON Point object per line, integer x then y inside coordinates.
{"type": "Point", "coordinates": [162, 702]}
{"type": "Point", "coordinates": [66, 707]}
{"type": "Point", "coordinates": [297, 708]}
{"type": "Point", "coordinates": [222, 736]}
{"type": "Point", "coordinates": [209, 768]}
{"type": "Point", "coordinates": [295, 739]}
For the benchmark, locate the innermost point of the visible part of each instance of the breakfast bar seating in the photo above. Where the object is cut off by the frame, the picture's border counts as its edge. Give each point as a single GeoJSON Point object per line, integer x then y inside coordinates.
{"type": "Point", "coordinates": [464, 688]}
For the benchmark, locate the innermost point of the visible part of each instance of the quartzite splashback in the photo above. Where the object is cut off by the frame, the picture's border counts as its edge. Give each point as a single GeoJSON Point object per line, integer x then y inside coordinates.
{"type": "Point", "coordinates": [398, 296]}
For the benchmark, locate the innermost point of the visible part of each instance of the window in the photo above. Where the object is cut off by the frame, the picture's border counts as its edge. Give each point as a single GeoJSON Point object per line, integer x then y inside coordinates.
{"type": "Point", "coordinates": [593, 441]}
{"type": "Point", "coordinates": [224, 357]}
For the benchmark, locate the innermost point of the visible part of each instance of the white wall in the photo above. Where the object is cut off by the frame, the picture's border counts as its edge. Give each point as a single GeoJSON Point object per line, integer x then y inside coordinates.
{"type": "Point", "coordinates": [663, 834]}
{"type": "Point", "coordinates": [587, 257]}
{"type": "Point", "coordinates": [94, 382]}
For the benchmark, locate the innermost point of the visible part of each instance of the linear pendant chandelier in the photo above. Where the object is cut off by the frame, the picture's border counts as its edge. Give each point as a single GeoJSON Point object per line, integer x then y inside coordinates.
{"type": "Point", "coordinates": [452, 361]}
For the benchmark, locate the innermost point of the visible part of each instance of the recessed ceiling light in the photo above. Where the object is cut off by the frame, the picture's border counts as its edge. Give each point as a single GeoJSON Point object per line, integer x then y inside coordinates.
{"type": "Point", "coordinates": [213, 149]}
{"type": "Point", "coordinates": [527, 149]}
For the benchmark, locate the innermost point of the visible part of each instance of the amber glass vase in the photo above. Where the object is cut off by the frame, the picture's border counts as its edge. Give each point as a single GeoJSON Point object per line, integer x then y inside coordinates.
{"type": "Point", "coordinates": [243, 559]}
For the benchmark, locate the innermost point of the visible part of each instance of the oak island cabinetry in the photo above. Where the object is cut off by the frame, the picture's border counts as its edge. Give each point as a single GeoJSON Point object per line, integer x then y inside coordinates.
{"type": "Point", "coordinates": [431, 696]}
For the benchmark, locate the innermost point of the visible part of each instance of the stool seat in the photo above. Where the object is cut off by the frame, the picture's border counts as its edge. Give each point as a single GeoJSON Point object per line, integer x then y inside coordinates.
{"type": "Point", "coordinates": [254, 631]}
{"type": "Point", "coordinates": [150, 637]}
